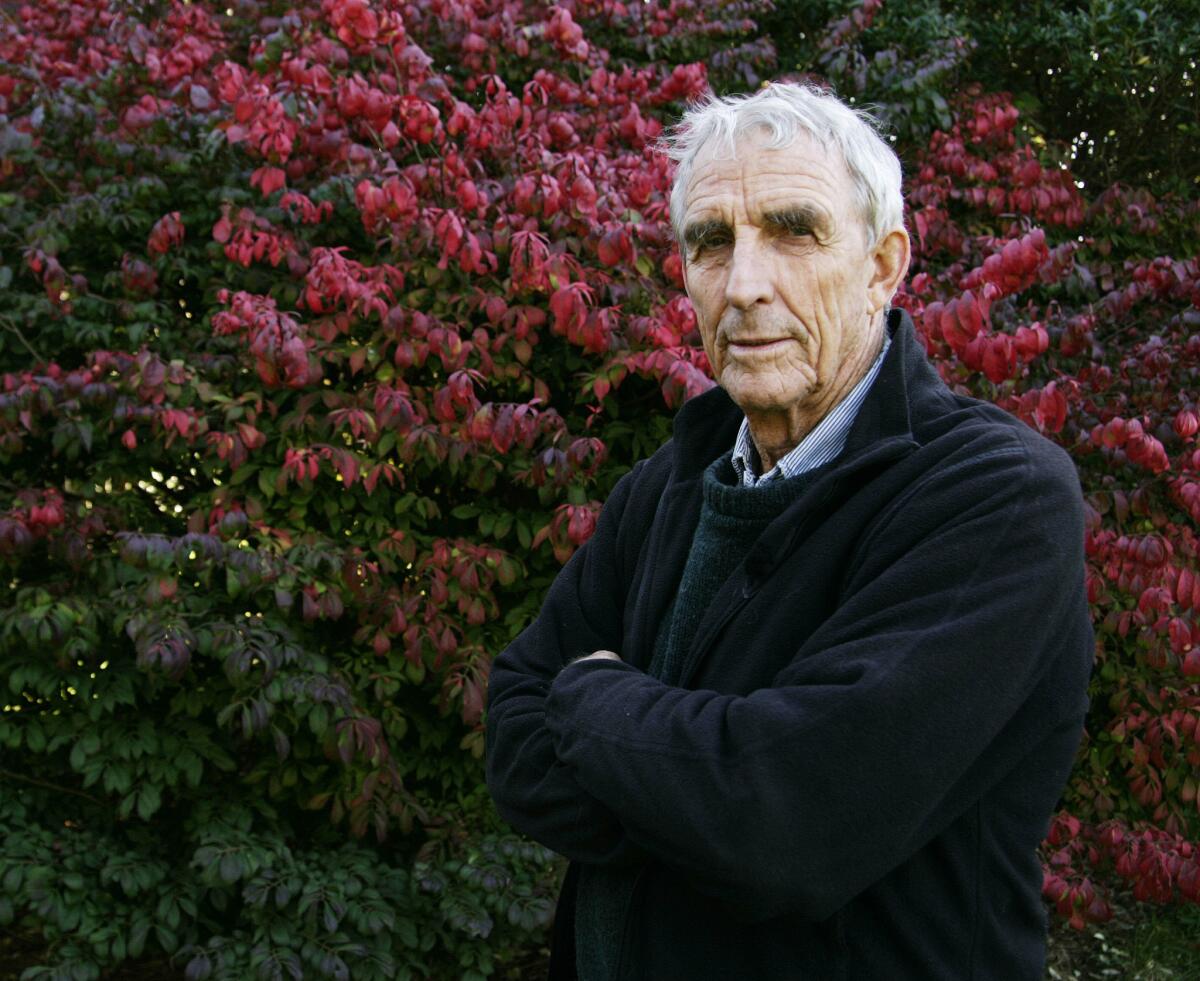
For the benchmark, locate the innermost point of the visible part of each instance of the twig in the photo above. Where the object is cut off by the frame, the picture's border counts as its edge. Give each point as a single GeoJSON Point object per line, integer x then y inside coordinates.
{"type": "Point", "coordinates": [10, 325]}
{"type": "Point", "coordinates": [49, 180]}
{"type": "Point", "coordinates": [52, 786]}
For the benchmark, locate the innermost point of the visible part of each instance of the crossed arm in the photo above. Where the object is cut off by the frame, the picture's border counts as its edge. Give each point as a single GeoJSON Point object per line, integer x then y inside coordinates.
{"type": "Point", "coordinates": [879, 733]}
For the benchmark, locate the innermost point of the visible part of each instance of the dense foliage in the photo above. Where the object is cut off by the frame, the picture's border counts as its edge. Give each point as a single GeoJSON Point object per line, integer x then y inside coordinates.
{"type": "Point", "coordinates": [325, 331]}
{"type": "Point", "coordinates": [1113, 81]}
{"type": "Point", "coordinates": [1118, 79]}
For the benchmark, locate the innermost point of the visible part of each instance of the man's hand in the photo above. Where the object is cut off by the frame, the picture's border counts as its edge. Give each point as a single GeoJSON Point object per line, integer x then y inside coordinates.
{"type": "Point", "coordinates": [598, 655]}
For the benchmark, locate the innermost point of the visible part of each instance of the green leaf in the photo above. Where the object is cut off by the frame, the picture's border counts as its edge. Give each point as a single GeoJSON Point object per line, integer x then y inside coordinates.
{"type": "Point", "coordinates": [407, 931]}
{"type": "Point", "coordinates": [168, 911]}
{"type": "Point", "coordinates": [230, 868]}
{"type": "Point", "coordinates": [149, 801]}
{"type": "Point", "coordinates": [504, 523]}
{"type": "Point", "coordinates": [68, 917]}
{"type": "Point", "coordinates": [137, 936]}
{"type": "Point", "coordinates": [192, 767]}
{"type": "Point", "coordinates": [35, 736]}
{"type": "Point", "coordinates": [280, 932]}
{"type": "Point", "coordinates": [244, 473]}
{"type": "Point", "coordinates": [166, 938]}
{"type": "Point", "coordinates": [125, 808]}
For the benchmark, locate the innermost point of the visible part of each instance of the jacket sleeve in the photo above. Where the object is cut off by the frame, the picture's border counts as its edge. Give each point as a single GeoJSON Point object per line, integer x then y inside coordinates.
{"type": "Point", "coordinates": [796, 797]}
{"type": "Point", "coordinates": [583, 612]}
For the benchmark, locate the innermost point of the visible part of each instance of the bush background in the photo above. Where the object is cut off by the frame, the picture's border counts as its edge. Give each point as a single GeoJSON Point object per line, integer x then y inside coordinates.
{"type": "Point", "coordinates": [325, 330]}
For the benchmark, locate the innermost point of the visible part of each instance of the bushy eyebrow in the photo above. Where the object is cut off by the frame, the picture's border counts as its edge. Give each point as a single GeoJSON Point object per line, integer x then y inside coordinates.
{"type": "Point", "coordinates": [795, 220]}
{"type": "Point", "coordinates": [698, 231]}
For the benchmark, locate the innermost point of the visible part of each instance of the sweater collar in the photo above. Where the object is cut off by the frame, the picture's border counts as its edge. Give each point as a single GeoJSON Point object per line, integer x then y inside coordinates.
{"type": "Point", "coordinates": [707, 425]}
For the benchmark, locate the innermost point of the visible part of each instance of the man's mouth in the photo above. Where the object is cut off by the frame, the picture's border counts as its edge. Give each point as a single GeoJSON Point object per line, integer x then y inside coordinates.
{"type": "Point", "coordinates": [753, 344]}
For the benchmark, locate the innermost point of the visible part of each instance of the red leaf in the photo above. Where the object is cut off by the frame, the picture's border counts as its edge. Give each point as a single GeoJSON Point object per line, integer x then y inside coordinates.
{"type": "Point", "coordinates": [1052, 408]}
{"type": "Point", "coordinates": [268, 180]}
{"type": "Point", "coordinates": [999, 358]}
{"type": "Point", "coordinates": [609, 249]}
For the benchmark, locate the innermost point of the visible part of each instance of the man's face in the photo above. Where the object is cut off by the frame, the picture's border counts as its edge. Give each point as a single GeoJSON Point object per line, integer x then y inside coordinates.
{"type": "Point", "coordinates": [778, 270]}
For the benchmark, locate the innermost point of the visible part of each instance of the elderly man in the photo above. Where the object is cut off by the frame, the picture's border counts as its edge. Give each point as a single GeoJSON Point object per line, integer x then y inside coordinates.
{"type": "Point", "coordinates": [804, 704]}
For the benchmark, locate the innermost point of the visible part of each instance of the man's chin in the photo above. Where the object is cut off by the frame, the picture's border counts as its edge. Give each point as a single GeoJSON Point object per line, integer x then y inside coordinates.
{"type": "Point", "coordinates": [755, 403]}
{"type": "Point", "coordinates": [765, 391]}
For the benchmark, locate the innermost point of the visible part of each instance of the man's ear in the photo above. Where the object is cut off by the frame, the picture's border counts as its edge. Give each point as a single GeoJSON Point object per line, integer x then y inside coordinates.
{"type": "Point", "coordinates": [890, 255]}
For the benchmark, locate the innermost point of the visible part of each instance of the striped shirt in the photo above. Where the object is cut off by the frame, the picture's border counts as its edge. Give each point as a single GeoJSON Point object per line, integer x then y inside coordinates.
{"type": "Point", "coordinates": [822, 444]}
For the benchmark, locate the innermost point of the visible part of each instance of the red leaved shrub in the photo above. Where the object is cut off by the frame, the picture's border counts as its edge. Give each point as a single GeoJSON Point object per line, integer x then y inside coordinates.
{"type": "Point", "coordinates": [325, 332]}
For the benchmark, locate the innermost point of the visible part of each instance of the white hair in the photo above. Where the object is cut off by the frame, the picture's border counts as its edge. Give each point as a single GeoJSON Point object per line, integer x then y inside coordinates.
{"type": "Point", "coordinates": [783, 110]}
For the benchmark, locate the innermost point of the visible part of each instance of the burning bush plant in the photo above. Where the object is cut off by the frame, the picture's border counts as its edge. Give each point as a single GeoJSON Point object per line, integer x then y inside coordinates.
{"type": "Point", "coordinates": [325, 331]}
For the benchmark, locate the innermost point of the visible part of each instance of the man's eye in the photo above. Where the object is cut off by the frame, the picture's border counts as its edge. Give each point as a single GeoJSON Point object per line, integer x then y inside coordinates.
{"type": "Point", "coordinates": [710, 242]}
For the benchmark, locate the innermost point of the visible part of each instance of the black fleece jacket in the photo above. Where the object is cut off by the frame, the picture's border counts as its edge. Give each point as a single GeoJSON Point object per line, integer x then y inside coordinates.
{"type": "Point", "coordinates": [874, 721]}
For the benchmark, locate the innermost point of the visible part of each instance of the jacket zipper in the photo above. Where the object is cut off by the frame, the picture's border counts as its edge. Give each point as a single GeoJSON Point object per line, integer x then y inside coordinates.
{"type": "Point", "coordinates": [883, 453]}
{"type": "Point", "coordinates": [700, 648]}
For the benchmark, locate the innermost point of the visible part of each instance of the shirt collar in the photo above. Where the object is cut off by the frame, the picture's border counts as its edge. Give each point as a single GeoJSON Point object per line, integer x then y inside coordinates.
{"type": "Point", "coordinates": [824, 442]}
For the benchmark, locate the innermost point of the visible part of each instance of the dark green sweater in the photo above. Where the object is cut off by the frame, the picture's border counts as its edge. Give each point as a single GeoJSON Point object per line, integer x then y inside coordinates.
{"type": "Point", "coordinates": [731, 519]}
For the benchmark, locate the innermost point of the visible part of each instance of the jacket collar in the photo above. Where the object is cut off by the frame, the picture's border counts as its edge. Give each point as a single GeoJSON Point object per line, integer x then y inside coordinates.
{"type": "Point", "coordinates": [707, 425]}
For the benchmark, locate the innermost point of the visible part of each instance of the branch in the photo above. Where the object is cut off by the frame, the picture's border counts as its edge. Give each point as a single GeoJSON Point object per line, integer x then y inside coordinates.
{"type": "Point", "coordinates": [10, 325]}
{"type": "Point", "coordinates": [52, 786]}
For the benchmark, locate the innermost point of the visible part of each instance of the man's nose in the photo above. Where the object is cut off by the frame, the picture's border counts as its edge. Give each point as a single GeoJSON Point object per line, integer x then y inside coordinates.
{"type": "Point", "coordinates": [749, 281]}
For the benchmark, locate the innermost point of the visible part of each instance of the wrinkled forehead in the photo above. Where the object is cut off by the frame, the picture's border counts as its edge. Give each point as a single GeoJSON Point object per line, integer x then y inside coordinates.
{"type": "Point", "coordinates": [804, 162]}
